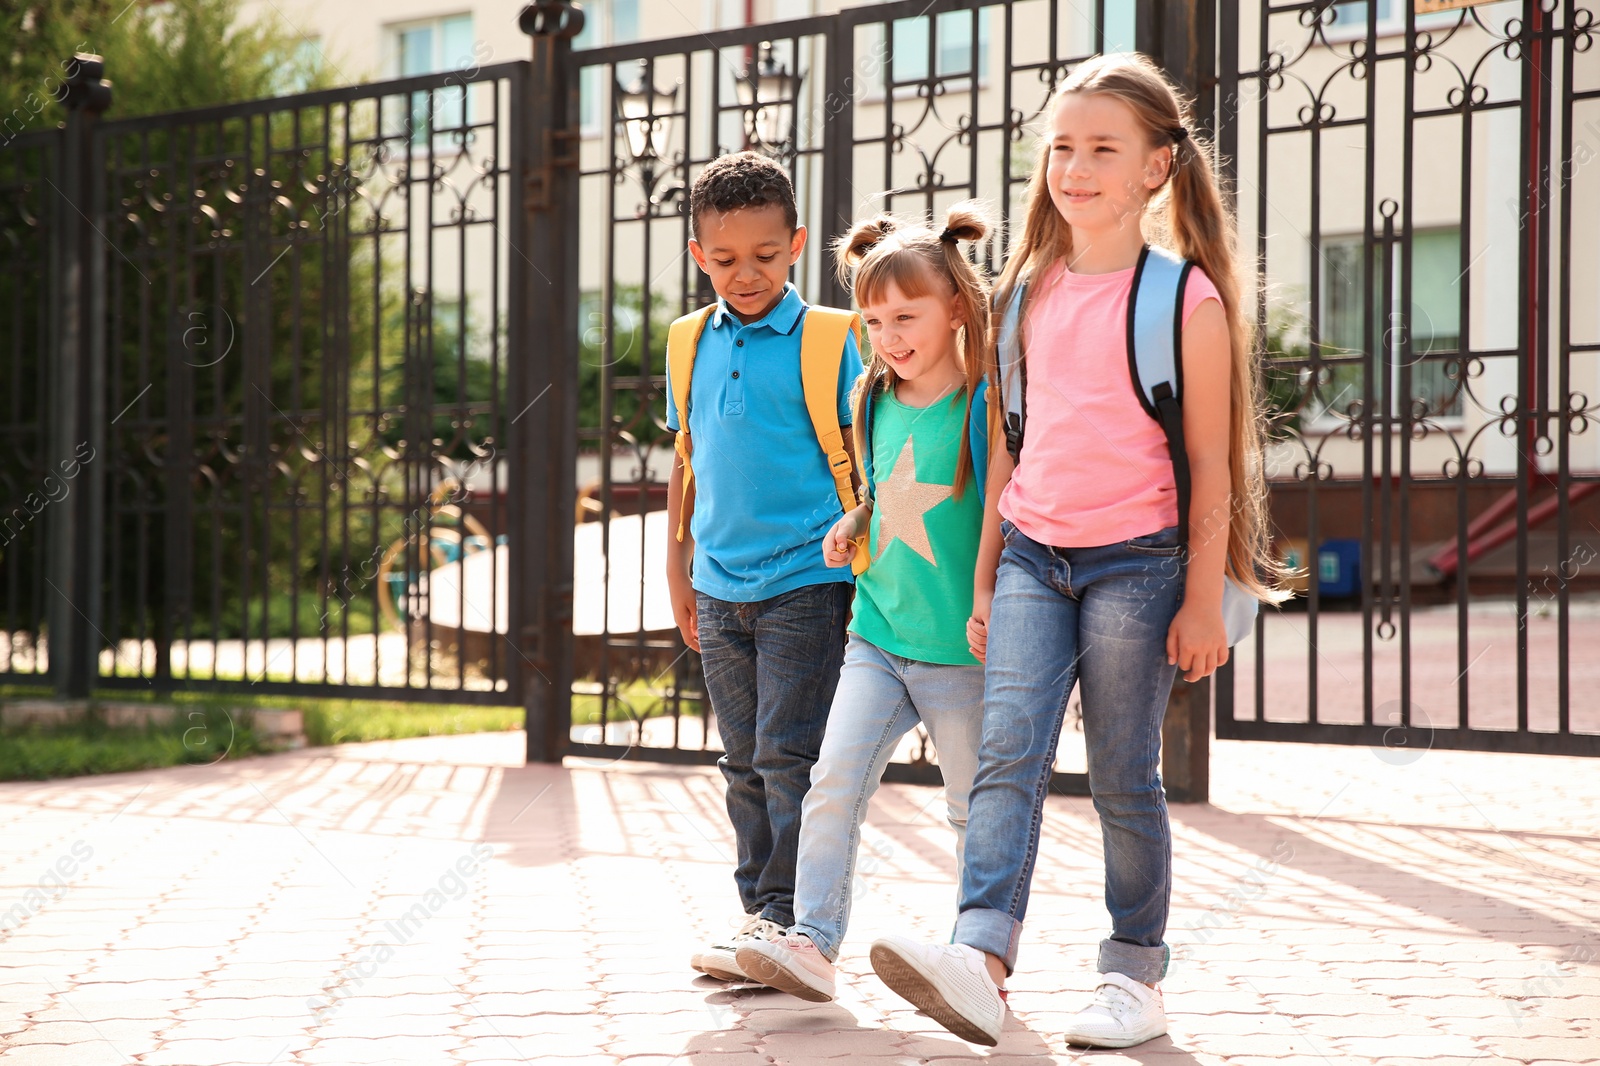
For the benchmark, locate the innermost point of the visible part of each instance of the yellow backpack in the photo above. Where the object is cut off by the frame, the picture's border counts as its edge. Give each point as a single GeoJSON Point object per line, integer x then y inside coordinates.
{"type": "Point", "coordinates": [822, 338]}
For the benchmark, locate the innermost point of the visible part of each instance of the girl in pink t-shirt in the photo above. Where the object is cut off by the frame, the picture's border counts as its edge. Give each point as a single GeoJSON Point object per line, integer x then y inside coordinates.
{"type": "Point", "coordinates": [1083, 578]}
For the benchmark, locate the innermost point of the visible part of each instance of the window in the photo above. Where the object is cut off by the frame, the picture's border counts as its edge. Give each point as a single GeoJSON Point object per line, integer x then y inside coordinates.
{"type": "Point", "coordinates": [431, 47]}
{"type": "Point", "coordinates": [1350, 19]}
{"type": "Point", "coordinates": [605, 22]}
{"type": "Point", "coordinates": [1434, 322]}
{"type": "Point", "coordinates": [951, 52]}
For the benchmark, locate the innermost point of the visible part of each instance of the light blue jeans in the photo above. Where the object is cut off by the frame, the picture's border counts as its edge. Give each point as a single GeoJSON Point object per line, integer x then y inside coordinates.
{"type": "Point", "coordinates": [881, 697]}
{"type": "Point", "coordinates": [1097, 618]}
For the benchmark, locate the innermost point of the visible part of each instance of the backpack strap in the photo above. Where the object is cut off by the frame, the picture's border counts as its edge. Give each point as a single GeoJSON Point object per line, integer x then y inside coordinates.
{"type": "Point", "coordinates": [683, 337]}
{"type": "Point", "coordinates": [863, 432]}
{"type": "Point", "coordinates": [822, 341]}
{"type": "Point", "coordinates": [1155, 362]}
{"type": "Point", "coordinates": [1012, 370]}
{"type": "Point", "coordinates": [978, 436]}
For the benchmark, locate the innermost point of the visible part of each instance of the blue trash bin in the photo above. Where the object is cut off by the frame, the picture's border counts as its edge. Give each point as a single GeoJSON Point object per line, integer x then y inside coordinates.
{"type": "Point", "coordinates": [1339, 568]}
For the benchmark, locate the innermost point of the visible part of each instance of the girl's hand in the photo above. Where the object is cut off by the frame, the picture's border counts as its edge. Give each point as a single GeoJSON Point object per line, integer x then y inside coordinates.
{"type": "Point", "coordinates": [978, 624]}
{"type": "Point", "coordinates": [837, 548]}
{"type": "Point", "coordinates": [1197, 640]}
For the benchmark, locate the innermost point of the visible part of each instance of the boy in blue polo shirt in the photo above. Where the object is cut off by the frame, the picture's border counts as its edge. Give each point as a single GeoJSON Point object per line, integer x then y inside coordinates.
{"type": "Point", "coordinates": [759, 604]}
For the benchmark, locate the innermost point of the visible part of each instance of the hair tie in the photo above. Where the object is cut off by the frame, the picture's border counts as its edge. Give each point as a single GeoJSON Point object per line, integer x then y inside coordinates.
{"type": "Point", "coordinates": [1178, 133]}
{"type": "Point", "coordinates": [948, 236]}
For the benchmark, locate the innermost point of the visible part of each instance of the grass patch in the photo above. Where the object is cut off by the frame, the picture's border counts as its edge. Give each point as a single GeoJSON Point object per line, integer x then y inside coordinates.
{"type": "Point", "coordinates": [40, 753]}
{"type": "Point", "coordinates": [209, 727]}
{"type": "Point", "coordinates": [633, 700]}
{"type": "Point", "coordinates": [353, 721]}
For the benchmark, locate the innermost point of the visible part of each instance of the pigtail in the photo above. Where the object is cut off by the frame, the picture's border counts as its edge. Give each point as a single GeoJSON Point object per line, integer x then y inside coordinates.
{"type": "Point", "coordinates": [851, 248]}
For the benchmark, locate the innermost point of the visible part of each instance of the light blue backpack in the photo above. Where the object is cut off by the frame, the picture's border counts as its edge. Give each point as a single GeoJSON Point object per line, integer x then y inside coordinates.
{"type": "Point", "coordinates": [1155, 337]}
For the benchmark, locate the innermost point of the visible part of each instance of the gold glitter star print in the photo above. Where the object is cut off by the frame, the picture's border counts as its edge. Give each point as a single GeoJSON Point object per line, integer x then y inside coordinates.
{"type": "Point", "coordinates": [902, 503]}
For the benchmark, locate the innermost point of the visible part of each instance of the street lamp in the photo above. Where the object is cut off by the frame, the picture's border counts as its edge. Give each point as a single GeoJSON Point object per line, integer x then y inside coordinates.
{"type": "Point", "coordinates": [645, 114]}
{"type": "Point", "coordinates": [768, 92]}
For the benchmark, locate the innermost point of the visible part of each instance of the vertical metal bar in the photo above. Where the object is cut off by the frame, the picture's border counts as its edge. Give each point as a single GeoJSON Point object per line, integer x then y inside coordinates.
{"type": "Point", "coordinates": [77, 393]}
{"type": "Point", "coordinates": [607, 376]}
{"type": "Point", "coordinates": [546, 447]}
{"type": "Point", "coordinates": [1386, 376]}
{"type": "Point", "coordinates": [1407, 353]}
{"type": "Point", "coordinates": [1313, 484]}
{"type": "Point", "coordinates": [1000, 243]}
{"type": "Point", "coordinates": [1529, 313]}
{"type": "Point", "coordinates": [1463, 356]}
{"type": "Point", "coordinates": [838, 147]}
{"type": "Point", "coordinates": [1370, 365]}
{"type": "Point", "coordinates": [1564, 564]}
{"type": "Point", "coordinates": [424, 378]}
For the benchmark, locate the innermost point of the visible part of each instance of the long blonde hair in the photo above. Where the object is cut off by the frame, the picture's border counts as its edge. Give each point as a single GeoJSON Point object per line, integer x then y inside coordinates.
{"type": "Point", "coordinates": [920, 261]}
{"type": "Point", "coordinates": [1188, 214]}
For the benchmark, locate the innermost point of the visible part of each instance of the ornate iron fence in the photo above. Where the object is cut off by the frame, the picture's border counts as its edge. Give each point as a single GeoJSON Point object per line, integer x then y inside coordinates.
{"type": "Point", "coordinates": [341, 362]}
{"type": "Point", "coordinates": [1419, 190]}
{"type": "Point", "coordinates": [320, 388]}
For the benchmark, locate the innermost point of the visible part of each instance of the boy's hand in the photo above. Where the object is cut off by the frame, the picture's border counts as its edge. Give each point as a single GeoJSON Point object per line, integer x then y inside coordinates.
{"type": "Point", "coordinates": [978, 624]}
{"type": "Point", "coordinates": [837, 546]}
{"type": "Point", "coordinates": [1197, 640]}
{"type": "Point", "coordinates": [684, 610]}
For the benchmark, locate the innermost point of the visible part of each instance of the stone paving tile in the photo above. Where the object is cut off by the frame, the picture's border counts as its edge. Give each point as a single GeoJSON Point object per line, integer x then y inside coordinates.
{"type": "Point", "coordinates": [1327, 903]}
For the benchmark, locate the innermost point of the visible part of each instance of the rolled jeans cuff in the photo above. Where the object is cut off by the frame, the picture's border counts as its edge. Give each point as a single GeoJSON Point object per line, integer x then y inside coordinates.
{"type": "Point", "coordinates": [992, 931]}
{"type": "Point", "coordinates": [825, 947]}
{"type": "Point", "coordinates": [1134, 960]}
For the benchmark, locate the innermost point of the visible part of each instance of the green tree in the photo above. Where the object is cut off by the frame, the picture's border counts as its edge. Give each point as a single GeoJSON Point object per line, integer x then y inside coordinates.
{"type": "Point", "coordinates": [159, 56]}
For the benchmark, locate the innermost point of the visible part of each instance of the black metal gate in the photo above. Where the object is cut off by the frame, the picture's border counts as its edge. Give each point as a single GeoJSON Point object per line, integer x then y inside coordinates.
{"type": "Point", "coordinates": [1441, 505]}
{"type": "Point", "coordinates": [324, 393]}
{"type": "Point", "coordinates": [307, 407]}
{"type": "Point", "coordinates": [1419, 191]}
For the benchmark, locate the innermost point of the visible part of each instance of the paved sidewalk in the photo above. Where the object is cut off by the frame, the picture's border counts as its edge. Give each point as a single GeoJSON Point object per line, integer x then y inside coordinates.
{"type": "Point", "coordinates": [432, 901]}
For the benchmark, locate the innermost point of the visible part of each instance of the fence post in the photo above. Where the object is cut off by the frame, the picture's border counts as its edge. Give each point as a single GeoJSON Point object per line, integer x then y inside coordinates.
{"type": "Point", "coordinates": [1181, 36]}
{"type": "Point", "coordinates": [77, 394]}
{"type": "Point", "coordinates": [543, 344]}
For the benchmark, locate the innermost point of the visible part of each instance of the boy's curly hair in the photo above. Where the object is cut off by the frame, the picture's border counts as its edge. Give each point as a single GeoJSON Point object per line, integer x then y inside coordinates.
{"type": "Point", "coordinates": [743, 179]}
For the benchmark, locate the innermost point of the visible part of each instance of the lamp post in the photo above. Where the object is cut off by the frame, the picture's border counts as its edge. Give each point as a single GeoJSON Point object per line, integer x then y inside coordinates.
{"type": "Point", "coordinates": [645, 114]}
{"type": "Point", "coordinates": [767, 92]}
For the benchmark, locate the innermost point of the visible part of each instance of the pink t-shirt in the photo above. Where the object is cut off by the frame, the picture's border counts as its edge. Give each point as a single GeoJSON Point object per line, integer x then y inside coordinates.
{"type": "Point", "coordinates": [1095, 467]}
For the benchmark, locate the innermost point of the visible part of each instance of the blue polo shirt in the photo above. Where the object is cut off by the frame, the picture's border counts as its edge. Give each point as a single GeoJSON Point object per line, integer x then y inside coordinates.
{"type": "Point", "coordinates": [764, 498]}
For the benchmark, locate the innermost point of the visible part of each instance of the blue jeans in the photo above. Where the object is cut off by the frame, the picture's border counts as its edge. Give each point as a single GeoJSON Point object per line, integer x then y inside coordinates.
{"type": "Point", "coordinates": [881, 698]}
{"type": "Point", "coordinates": [771, 667]}
{"type": "Point", "coordinates": [1096, 617]}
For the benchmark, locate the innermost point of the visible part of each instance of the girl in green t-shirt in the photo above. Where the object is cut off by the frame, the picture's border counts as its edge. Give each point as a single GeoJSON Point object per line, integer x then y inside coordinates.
{"type": "Point", "coordinates": [921, 427]}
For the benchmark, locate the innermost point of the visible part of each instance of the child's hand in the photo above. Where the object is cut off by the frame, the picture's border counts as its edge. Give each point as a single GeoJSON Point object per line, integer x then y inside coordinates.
{"type": "Point", "coordinates": [684, 610]}
{"type": "Point", "coordinates": [837, 548]}
{"type": "Point", "coordinates": [1197, 640]}
{"type": "Point", "coordinates": [978, 625]}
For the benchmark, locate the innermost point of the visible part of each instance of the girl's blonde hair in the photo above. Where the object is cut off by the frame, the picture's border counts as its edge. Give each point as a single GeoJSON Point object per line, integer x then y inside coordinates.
{"type": "Point", "coordinates": [1188, 214]}
{"type": "Point", "coordinates": [920, 261]}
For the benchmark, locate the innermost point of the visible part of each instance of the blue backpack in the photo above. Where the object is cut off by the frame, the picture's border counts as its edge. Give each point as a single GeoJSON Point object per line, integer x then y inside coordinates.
{"type": "Point", "coordinates": [1155, 339]}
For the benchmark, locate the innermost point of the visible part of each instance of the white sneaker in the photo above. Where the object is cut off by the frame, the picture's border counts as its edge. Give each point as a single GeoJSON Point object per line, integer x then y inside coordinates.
{"type": "Point", "coordinates": [720, 961]}
{"type": "Point", "coordinates": [1125, 1012]}
{"type": "Point", "coordinates": [790, 964]}
{"type": "Point", "coordinates": [947, 982]}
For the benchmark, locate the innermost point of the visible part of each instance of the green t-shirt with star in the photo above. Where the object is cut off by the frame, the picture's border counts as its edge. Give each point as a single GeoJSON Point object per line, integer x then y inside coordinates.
{"type": "Point", "coordinates": [915, 598]}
